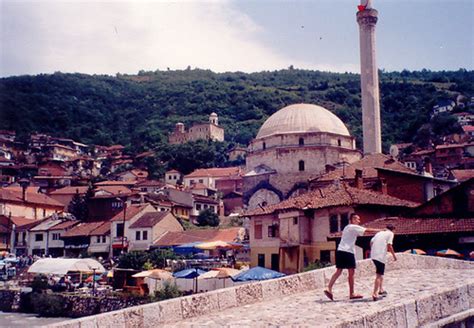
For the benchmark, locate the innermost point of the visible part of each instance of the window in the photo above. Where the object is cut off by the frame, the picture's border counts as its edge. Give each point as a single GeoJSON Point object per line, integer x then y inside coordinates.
{"type": "Point", "coordinates": [261, 260]}
{"type": "Point", "coordinates": [201, 181]}
{"type": "Point", "coordinates": [301, 142]}
{"type": "Point", "coordinates": [137, 235]}
{"type": "Point", "coordinates": [264, 146]}
{"type": "Point", "coordinates": [198, 207]}
{"type": "Point", "coordinates": [191, 181]}
{"type": "Point", "coordinates": [104, 239]}
{"type": "Point", "coordinates": [258, 230]}
{"type": "Point", "coordinates": [295, 220]}
{"type": "Point", "coordinates": [339, 143]}
{"type": "Point", "coordinates": [39, 237]}
{"type": "Point", "coordinates": [145, 235]}
{"type": "Point", "coordinates": [98, 239]}
{"type": "Point", "coordinates": [273, 231]}
{"type": "Point", "coordinates": [56, 236]}
{"type": "Point", "coordinates": [205, 206]}
{"type": "Point", "coordinates": [119, 230]}
{"type": "Point", "coordinates": [333, 224]}
{"type": "Point", "coordinates": [344, 220]}
{"type": "Point", "coordinates": [212, 208]}
{"type": "Point", "coordinates": [301, 165]}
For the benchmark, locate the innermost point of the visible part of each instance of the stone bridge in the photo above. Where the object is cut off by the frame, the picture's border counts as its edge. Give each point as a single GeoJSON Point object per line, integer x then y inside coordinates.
{"type": "Point", "coordinates": [422, 291]}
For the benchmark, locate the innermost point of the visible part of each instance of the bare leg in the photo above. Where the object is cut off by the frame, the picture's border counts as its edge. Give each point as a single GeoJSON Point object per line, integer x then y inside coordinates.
{"type": "Point", "coordinates": [350, 278]}
{"type": "Point", "coordinates": [377, 285]}
{"type": "Point", "coordinates": [380, 285]}
{"type": "Point", "coordinates": [334, 277]}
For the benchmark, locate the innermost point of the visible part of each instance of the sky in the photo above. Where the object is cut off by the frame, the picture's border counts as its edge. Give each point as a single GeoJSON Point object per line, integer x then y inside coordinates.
{"type": "Point", "coordinates": [97, 37]}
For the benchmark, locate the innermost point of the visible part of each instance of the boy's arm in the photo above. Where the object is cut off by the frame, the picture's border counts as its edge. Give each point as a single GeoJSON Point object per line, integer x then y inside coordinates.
{"type": "Point", "coordinates": [372, 230]}
{"type": "Point", "coordinates": [390, 249]}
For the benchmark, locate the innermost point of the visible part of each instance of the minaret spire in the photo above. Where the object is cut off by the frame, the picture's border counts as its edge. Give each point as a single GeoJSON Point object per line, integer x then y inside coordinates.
{"type": "Point", "coordinates": [369, 80]}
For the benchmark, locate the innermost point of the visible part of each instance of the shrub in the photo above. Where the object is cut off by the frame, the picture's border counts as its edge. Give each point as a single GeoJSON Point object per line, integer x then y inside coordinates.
{"type": "Point", "coordinates": [39, 283]}
{"type": "Point", "coordinates": [49, 305]}
{"type": "Point", "coordinates": [208, 218]}
{"type": "Point", "coordinates": [316, 265]}
{"type": "Point", "coordinates": [168, 291]}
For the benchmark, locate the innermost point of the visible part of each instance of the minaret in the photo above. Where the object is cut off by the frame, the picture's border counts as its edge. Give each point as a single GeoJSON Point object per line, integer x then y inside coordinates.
{"type": "Point", "coordinates": [369, 80]}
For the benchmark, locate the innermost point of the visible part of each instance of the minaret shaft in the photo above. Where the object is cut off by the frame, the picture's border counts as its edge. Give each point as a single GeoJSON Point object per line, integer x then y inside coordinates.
{"type": "Point", "coordinates": [369, 80]}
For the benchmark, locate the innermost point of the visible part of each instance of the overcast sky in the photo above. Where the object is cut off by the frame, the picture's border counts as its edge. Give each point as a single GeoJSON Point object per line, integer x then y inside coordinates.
{"type": "Point", "coordinates": [128, 36]}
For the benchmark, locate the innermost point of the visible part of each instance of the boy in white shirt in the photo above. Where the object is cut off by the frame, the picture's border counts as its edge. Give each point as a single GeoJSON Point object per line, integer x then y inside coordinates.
{"type": "Point", "coordinates": [379, 245]}
{"type": "Point", "coordinates": [345, 255]}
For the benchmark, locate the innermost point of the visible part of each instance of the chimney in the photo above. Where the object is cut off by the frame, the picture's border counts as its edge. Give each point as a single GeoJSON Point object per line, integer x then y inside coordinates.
{"type": "Point", "coordinates": [359, 181]}
{"type": "Point", "coordinates": [24, 183]}
{"type": "Point", "coordinates": [383, 186]}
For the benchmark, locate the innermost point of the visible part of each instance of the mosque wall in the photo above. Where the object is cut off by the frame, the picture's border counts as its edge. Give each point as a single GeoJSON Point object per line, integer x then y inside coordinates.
{"type": "Point", "coordinates": [314, 138]}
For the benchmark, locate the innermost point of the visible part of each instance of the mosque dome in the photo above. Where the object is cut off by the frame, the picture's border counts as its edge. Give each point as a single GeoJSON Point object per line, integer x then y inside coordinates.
{"type": "Point", "coordinates": [302, 118]}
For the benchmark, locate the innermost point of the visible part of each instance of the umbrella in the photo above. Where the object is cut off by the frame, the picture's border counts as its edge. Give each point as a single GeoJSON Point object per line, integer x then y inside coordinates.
{"type": "Point", "coordinates": [187, 248]}
{"type": "Point", "coordinates": [220, 273]}
{"type": "Point", "coordinates": [110, 274]}
{"type": "Point", "coordinates": [415, 251]}
{"type": "Point", "coordinates": [449, 252]}
{"type": "Point", "coordinates": [156, 274]}
{"type": "Point", "coordinates": [189, 274]}
{"type": "Point", "coordinates": [257, 273]}
{"type": "Point", "coordinates": [96, 278]}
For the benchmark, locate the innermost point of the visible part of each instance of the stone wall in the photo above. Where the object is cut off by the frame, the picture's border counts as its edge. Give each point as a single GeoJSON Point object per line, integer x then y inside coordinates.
{"type": "Point", "coordinates": [422, 311]}
{"type": "Point", "coordinates": [9, 300]}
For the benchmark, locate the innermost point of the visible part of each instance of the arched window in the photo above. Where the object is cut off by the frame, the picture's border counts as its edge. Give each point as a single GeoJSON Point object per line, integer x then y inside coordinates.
{"type": "Point", "coordinates": [339, 143]}
{"type": "Point", "coordinates": [301, 165]}
{"type": "Point", "coordinates": [301, 141]}
{"type": "Point", "coordinates": [264, 146]}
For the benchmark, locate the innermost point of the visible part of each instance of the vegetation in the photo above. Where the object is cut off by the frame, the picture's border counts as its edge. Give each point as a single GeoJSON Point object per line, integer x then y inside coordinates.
{"type": "Point", "coordinates": [207, 217]}
{"type": "Point", "coordinates": [141, 260]}
{"type": "Point", "coordinates": [316, 265]}
{"type": "Point", "coordinates": [139, 111]}
{"type": "Point", "coordinates": [169, 290]}
{"type": "Point", "coordinates": [49, 305]}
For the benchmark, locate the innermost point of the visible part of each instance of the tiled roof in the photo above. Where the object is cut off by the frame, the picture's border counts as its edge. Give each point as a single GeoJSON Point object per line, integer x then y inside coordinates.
{"type": "Point", "coordinates": [367, 164]}
{"type": "Point", "coordinates": [173, 171]}
{"type": "Point", "coordinates": [103, 229]}
{"type": "Point", "coordinates": [20, 221]}
{"type": "Point", "coordinates": [463, 175]}
{"type": "Point", "coordinates": [468, 128]}
{"type": "Point", "coordinates": [410, 226]}
{"type": "Point", "coordinates": [179, 238]}
{"type": "Point", "coordinates": [130, 212]}
{"type": "Point", "coordinates": [198, 186]}
{"type": "Point", "coordinates": [114, 190]}
{"type": "Point", "coordinates": [64, 225]}
{"type": "Point", "coordinates": [215, 172]}
{"type": "Point", "coordinates": [149, 220]}
{"type": "Point", "coordinates": [70, 190]}
{"type": "Point", "coordinates": [150, 183]}
{"type": "Point", "coordinates": [31, 198]}
{"type": "Point", "coordinates": [333, 196]}
{"type": "Point", "coordinates": [115, 183]}
{"type": "Point", "coordinates": [204, 199]}
{"type": "Point", "coordinates": [85, 229]}
{"type": "Point", "coordinates": [451, 146]}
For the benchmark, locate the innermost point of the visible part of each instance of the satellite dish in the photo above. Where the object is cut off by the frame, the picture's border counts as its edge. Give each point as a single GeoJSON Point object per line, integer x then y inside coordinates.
{"type": "Point", "coordinates": [394, 151]}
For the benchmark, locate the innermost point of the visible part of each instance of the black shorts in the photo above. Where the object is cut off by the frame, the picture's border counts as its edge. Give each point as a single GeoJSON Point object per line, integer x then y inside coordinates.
{"type": "Point", "coordinates": [379, 267]}
{"type": "Point", "coordinates": [345, 260]}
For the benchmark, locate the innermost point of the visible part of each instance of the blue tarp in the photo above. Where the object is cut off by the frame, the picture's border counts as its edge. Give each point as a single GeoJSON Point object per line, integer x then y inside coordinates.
{"type": "Point", "coordinates": [257, 273]}
{"type": "Point", "coordinates": [188, 273]}
{"type": "Point", "coordinates": [187, 248]}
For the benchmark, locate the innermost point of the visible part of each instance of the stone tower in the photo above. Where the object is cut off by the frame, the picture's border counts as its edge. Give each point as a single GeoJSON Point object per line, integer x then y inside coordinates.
{"type": "Point", "coordinates": [367, 19]}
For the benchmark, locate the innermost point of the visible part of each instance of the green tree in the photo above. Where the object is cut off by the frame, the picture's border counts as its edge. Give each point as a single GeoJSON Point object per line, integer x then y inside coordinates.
{"type": "Point", "coordinates": [208, 218]}
{"type": "Point", "coordinates": [133, 260]}
{"type": "Point", "coordinates": [78, 207]}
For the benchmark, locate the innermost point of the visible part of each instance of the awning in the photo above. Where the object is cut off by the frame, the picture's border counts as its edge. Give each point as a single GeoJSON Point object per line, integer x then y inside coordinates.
{"type": "Point", "coordinates": [63, 266]}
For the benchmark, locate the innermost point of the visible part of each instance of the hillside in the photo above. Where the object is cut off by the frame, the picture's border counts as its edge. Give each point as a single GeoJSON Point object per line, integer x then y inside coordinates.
{"type": "Point", "coordinates": [140, 110]}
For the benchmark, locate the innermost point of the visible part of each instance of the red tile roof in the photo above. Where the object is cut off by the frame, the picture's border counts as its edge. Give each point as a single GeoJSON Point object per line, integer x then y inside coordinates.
{"type": "Point", "coordinates": [101, 230]}
{"type": "Point", "coordinates": [70, 190]}
{"type": "Point", "coordinates": [31, 198]}
{"type": "Point", "coordinates": [64, 225]}
{"type": "Point", "coordinates": [114, 190]}
{"type": "Point", "coordinates": [179, 238]}
{"type": "Point", "coordinates": [463, 175]}
{"type": "Point", "coordinates": [87, 229]}
{"type": "Point", "coordinates": [367, 164]}
{"type": "Point", "coordinates": [215, 172]}
{"type": "Point", "coordinates": [130, 212]}
{"type": "Point", "coordinates": [115, 183]}
{"type": "Point", "coordinates": [411, 226]}
{"type": "Point", "coordinates": [150, 183]}
{"type": "Point", "coordinates": [468, 128]}
{"type": "Point", "coordinates": [205, 199]}
{"type": "Point", "coordinates": [173, 171]}
{"type": "Point", "coordinates": [149, 220]}
{"type": "Point", "coordinates": [20, 221]}
{"type": "Point", "coordinates": [333, 196]}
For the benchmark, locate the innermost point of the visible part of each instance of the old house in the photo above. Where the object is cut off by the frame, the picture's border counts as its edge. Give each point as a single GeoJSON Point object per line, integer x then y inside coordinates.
{"type": "Point", "coordinates": [30, 205]}
{"type": "Point", "coordinates": [149, 227]}
{"type": "Point", "coordinates": [87, 237]}
{"type": "Point", "coordinates": [289, 235]}
{"type": "Point", "coordinates": [205, 131]}
{"type": "Point", "coordinates": [45, 238]}
{"type": "Point", "coordinates": [65, 195]}
{"type": "Point", "coordinates": [173, 177]}
{"type": "Point", "coordinates": [208, 177]}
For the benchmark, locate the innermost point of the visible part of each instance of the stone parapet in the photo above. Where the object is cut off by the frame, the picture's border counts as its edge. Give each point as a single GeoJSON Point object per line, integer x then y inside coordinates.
{"type": "Point", "coordinates": [423, 308]}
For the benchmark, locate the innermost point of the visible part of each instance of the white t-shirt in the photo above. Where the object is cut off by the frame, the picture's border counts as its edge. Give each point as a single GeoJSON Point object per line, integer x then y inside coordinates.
{"type": "Point", "coordinates": [379, 245]}
{"type": "Point", "coordinates": [349, 236]}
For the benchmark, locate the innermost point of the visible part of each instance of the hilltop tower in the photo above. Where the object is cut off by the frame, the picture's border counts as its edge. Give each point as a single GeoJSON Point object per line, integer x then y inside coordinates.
{"type": "Point", "coordinates": [369, 80]}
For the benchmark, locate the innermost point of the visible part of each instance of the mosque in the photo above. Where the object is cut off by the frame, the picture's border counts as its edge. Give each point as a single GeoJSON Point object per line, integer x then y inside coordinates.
{"type": "Point", "coordinates": [295, 143]}
{"type": "Point", "coordinates": [304, 140]}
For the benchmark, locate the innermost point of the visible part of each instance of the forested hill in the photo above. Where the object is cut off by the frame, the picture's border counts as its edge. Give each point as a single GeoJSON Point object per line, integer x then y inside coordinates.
{"type": "Point", "coordinates": [140, 110]}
